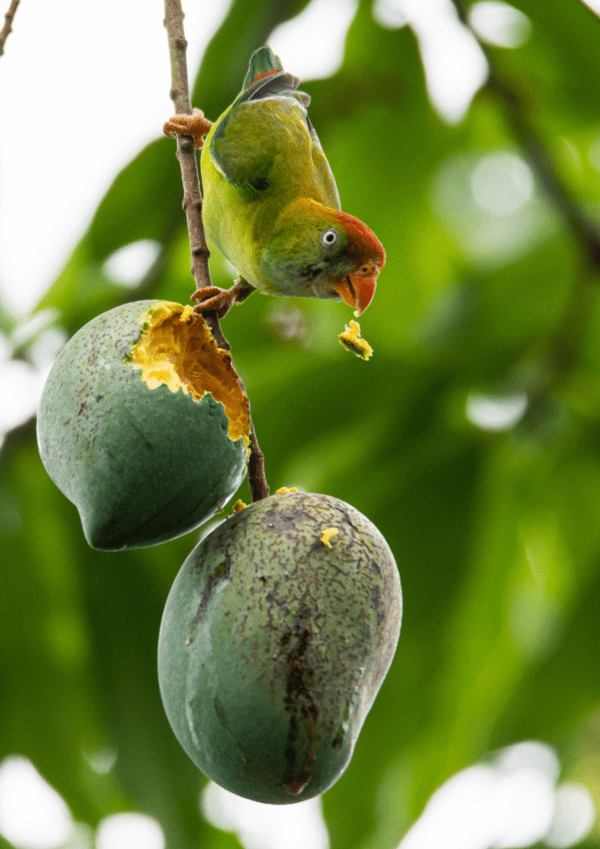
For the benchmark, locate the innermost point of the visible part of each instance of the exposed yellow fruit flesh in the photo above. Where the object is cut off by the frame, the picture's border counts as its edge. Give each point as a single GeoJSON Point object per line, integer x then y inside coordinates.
{"type": "Point", "coordinates": [284, 489]}
{"type": "Point", "coordinates": [351, 339]}
{"type": "Point", "coordinates": [176, 348]}
{"type": "Point", "coordinates": [327, 534]}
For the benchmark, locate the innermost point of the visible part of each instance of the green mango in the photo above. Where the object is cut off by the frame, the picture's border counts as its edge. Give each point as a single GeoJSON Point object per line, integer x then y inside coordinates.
{"type": "Point", "coordinates": [143, 424]}
{"type": "Point", "coordinates": [275, 639]}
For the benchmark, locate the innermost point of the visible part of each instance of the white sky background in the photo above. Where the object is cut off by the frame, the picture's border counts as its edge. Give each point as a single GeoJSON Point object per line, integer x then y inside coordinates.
{"type": "Point", "coordinates": [83, 86]}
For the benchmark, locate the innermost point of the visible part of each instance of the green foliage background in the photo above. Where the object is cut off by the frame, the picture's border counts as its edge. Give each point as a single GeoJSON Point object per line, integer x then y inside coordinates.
{"type": "Point", "coordinates": [496, 534]}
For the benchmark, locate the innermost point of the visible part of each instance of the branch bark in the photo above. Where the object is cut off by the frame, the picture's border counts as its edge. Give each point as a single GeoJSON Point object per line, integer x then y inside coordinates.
{"type": "Point", "coordinates": [186, 152]}
{"type": "Point", "coordinates": [7, 28]}
{"type": "Point", "coordinates": [192, 205]}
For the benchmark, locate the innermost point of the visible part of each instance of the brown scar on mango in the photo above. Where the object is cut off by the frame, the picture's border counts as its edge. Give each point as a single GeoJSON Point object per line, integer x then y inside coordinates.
{"type": "Point", "coordinates": [327, 534]}
{"type": "Point", "coordinates": [351, 339]}
{"type": "Point", "coordinates": [176, 348]}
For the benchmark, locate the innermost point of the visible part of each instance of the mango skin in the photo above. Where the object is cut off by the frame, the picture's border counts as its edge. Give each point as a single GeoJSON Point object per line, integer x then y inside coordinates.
{"type": "Point", "coordinates": [273, 645]}
{"type": "Point", "coordinates": [141, 465]}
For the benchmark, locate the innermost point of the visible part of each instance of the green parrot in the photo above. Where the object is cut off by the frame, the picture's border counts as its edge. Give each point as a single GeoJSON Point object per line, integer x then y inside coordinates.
{"type": "Point", "coordinates": [270, 202]}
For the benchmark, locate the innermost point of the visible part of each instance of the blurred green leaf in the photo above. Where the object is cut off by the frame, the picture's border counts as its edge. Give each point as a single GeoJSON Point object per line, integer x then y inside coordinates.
{"type": "Point", "coordinates": [496, 533]}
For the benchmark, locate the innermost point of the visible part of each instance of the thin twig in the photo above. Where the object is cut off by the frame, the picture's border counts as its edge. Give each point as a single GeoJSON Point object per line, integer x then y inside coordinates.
{"type": "Point", "coordinates": [561, 345]}
{"type": "Point", "coordinates": [192, 205]}
{"type": "Point", "coordinates": [7, 28]}
{"type": "Point", "coordinates": [564, 341]}
{"type": "Point", "coordinates": [186, 152]}
{"type": "Point", "coordinates": [544, 166]}
{"type": "Point", "coordinates": [537, 151]}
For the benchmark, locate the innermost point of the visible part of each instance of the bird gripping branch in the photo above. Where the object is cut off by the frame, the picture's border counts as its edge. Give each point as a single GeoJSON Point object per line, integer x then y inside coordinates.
{"type": "Point", "coordinates": [270, 201]}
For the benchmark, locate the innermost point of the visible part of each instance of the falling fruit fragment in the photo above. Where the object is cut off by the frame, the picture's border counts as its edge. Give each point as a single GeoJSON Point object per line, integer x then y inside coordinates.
{"type": "Point", "coordinates": [351, 339]}
{"type": "Point", "coordinates": [274, 643]}
{"type": "Point", "coordinates": [143, 424]}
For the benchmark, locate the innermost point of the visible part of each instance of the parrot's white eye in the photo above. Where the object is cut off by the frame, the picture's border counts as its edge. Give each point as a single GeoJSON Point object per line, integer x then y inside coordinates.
{"type": "Point", "coordinates": [330, 238]}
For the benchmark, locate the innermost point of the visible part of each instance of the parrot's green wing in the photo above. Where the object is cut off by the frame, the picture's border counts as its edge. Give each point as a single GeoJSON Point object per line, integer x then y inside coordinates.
{"type": "Point", "coordinates": [264, 129]}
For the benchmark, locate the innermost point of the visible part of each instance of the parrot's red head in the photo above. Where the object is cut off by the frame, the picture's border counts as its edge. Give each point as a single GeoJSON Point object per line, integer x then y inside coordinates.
{"type": "Point", "coordinates": [357, 286]}
{"type": "Point", "coordinates": [319, 252]}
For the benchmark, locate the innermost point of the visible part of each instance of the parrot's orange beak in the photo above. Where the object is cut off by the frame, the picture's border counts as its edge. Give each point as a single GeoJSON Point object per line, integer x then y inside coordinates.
{"type": "Point", "coordinates": [358, 289]}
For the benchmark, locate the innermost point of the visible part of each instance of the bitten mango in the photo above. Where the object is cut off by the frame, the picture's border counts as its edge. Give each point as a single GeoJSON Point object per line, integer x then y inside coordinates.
{"type": "Point", "coordinates": [144, 425]}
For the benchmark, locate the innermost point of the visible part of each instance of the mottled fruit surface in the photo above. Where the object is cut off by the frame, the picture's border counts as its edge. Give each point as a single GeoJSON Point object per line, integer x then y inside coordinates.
{"type": "Point", "coordinates": [143, 424]}
{"type": "Point", "coordinates": [275, 639]}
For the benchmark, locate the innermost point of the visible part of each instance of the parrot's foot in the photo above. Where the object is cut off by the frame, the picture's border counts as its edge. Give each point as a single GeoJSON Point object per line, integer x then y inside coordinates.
{"type": "Point", "coordinates": [195, 125]}
{"type": "Point", "coordinates": [212, 298]}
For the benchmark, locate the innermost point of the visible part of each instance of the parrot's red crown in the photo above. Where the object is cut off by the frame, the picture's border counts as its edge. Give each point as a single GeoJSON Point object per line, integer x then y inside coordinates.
{"type": "Point", "coordinates": [357, 288]}
{"type": "Point", "coordinates": [361, 241]}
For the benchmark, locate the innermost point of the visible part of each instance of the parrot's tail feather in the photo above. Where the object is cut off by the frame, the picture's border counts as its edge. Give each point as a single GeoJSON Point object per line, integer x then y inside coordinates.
{"type": "Point", "coordinates": [262, 62]}
{"type": "Point", "coordinates": [266, 78]}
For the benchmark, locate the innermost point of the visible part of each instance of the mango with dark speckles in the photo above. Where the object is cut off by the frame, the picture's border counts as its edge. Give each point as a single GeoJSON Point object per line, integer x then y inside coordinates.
{"type": "Point", "coordinates": [275, 639]}
{"type": "Point", "coordinates": [143, 424]}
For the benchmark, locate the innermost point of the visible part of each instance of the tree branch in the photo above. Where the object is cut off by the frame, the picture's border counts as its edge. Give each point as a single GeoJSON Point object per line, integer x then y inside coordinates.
{"type": "Point", "coordinates": [7, 28]}
{"type": "Point", "coordinates": [565, 339]}
{"type": "Point", "coordinates": [186, 152]}
{"type": "Point", "coordinates": [536, 150]}
{"type": "Point", "coordinates": [559, 352]}
{"type": "Point", "coordinates": [192, 205]}
{"type": "Point", "coordinates": [544, 166]}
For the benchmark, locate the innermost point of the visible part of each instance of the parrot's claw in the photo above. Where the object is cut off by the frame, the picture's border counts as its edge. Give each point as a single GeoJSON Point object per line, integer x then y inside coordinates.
{"type": "Point", "coordinates": [212, 298]}
{"type": "Point", "coordinates": [195, 125]}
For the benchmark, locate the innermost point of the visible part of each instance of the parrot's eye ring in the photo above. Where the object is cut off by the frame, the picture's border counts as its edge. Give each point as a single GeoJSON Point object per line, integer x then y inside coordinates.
{"type": "Point", "coordinates": [330, 238]}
